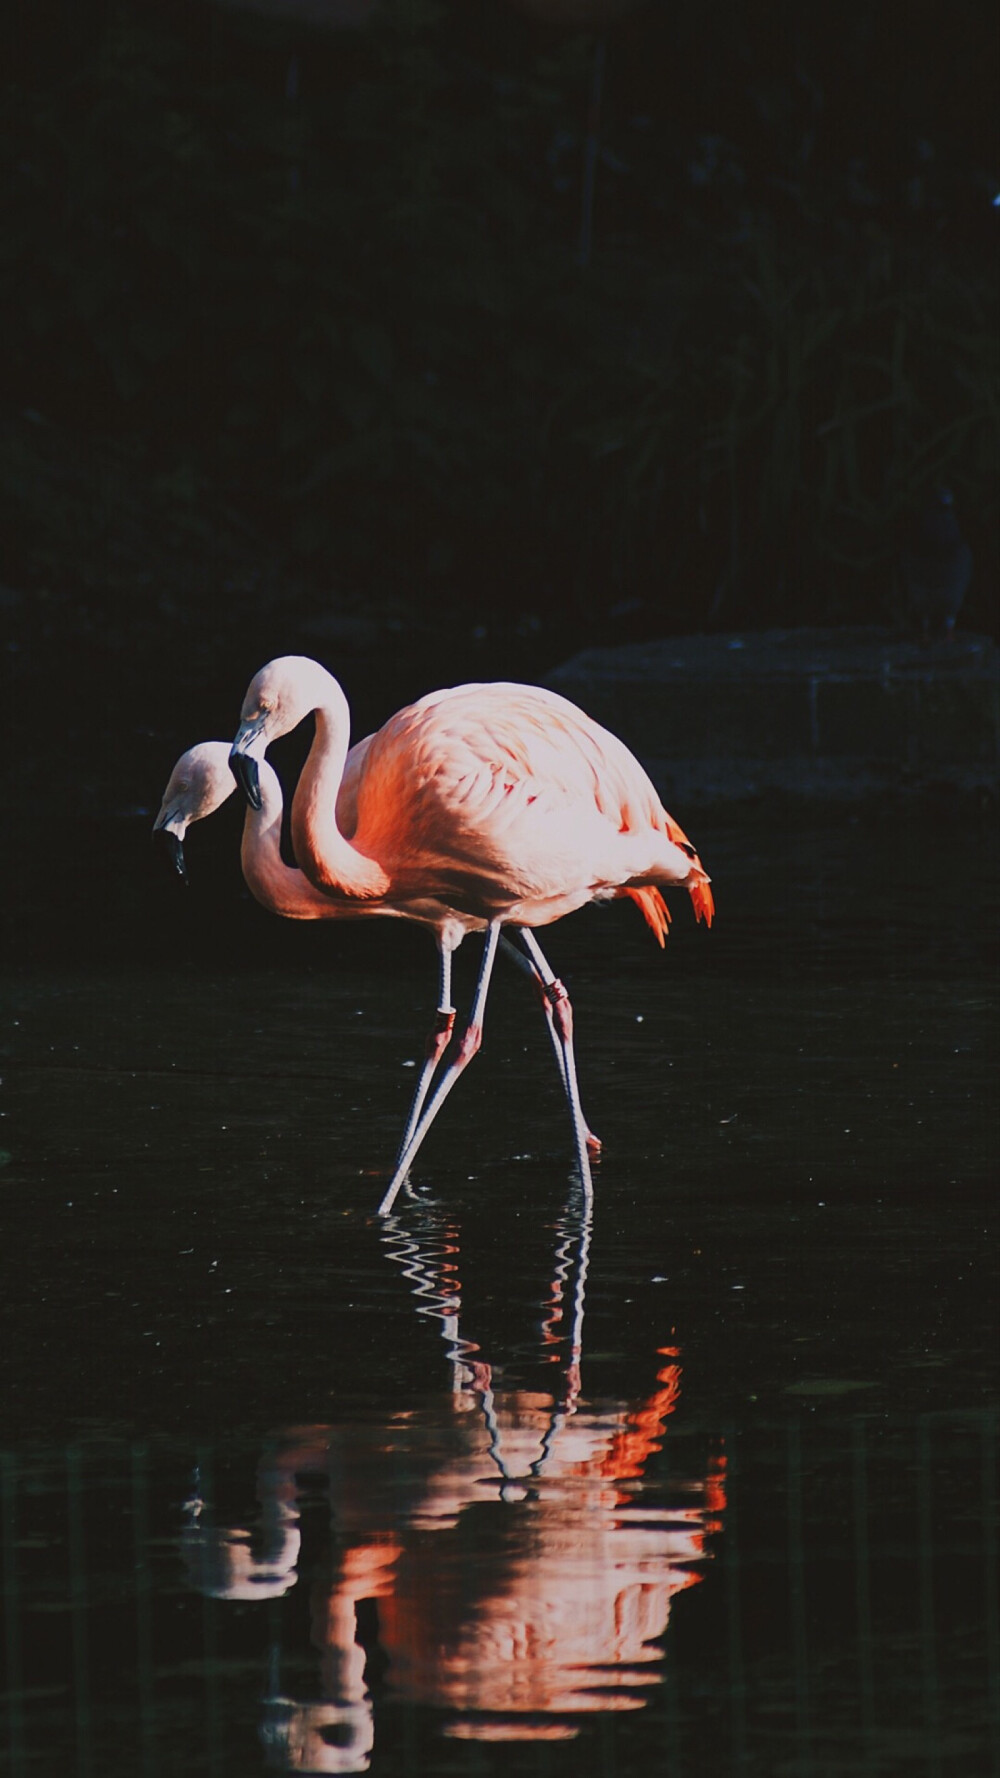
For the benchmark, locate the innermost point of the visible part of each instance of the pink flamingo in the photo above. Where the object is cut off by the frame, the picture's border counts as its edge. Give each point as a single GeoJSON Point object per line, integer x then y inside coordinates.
{"type": "Point", "coordinates": [202, 780]}
{"type": "Point", "coordinates": [478, 807]}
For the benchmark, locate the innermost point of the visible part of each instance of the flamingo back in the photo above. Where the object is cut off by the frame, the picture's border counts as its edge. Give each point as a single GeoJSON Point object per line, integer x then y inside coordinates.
{"type": "Point", "coordinates": [508, 794]}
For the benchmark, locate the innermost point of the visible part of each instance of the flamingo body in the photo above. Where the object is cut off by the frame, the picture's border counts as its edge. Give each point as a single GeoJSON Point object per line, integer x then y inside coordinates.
{"type": "Point", "coordinates": [510, 803]}
{"type": "Point", "coordinates": [485, 802]}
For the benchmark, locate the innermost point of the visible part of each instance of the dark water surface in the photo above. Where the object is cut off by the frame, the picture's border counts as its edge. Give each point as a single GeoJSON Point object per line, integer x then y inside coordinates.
{"type": "Point", "coordinates": [705, 1485]}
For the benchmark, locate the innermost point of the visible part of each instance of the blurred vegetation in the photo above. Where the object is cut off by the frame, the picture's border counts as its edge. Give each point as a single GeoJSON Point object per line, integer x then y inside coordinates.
{"type": "Point", "coordinates": [295, 321]}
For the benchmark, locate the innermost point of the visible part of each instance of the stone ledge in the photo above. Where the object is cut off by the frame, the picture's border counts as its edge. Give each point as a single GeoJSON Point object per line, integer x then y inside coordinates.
{"type": "Point", "coordinates": [818, 713]}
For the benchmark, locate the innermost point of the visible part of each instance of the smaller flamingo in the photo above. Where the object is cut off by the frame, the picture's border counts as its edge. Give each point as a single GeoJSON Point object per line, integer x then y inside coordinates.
{"type": "Point", "coordinates": [200, 783]}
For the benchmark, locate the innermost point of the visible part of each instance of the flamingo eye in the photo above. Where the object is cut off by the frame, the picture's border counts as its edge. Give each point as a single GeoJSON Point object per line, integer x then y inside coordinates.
{"type": "Point", "coordinates": [688, 848]}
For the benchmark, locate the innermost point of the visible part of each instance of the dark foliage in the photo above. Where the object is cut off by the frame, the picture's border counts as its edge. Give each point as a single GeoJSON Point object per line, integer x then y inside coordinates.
{"type": "Point", "coordinates": [296, 319]}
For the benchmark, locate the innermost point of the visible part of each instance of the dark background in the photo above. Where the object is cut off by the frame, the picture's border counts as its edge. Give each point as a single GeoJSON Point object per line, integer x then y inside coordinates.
{"type": "Point", "coordinates": [302, 351]}
{"type": "Point", "coordinates": [305, 349]}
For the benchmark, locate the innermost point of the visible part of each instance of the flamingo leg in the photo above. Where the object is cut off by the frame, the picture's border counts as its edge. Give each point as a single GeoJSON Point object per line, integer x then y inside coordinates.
{"type": "Point", "coordinates": [544, 991]}
{"type": "Point", "coordinates": [439, 1036]}
{"type": "Point", "coordinates": [561, 1014]}
{"type": "Point", "coordinates": [472, 1037]}
{"type": "Point", "coordinates": [438, 1039]}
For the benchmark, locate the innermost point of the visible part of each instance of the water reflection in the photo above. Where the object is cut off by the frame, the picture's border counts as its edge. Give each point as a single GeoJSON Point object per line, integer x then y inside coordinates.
{"type": "Point", "coordinates": [492, 1552]}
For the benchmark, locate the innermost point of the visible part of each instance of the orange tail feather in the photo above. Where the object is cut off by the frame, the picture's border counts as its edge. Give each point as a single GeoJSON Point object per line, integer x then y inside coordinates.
{"type": "Point", "coordinates": [701, 894]}
{"type": "Point", "coordinates": [701, 901]}
{"type": "Point", "coordinates": [674, 830]}
{"type": "Point", "coordinates": [654, 910]}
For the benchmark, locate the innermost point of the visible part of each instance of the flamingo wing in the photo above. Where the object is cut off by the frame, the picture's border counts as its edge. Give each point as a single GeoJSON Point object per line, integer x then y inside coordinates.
{"type": "Point", "coordinates": [512, 795]}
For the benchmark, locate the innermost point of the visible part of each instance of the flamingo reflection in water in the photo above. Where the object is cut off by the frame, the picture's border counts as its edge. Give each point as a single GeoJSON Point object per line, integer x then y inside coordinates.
{"type": "Point", "coordinates": [576, 1561]}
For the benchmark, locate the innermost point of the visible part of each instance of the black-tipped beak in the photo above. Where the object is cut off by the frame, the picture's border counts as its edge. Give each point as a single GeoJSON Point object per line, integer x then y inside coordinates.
{"type": "Point", "coordinates": [173, 849]}
{"type": "Point", "coordinates": [244, 770]}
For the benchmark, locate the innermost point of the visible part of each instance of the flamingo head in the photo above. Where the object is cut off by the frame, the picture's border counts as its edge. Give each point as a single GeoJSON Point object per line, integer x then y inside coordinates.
{"type": "Point", "coordinates": [278, 697]}
{"type": "Point", "coordinates": [198, 785]}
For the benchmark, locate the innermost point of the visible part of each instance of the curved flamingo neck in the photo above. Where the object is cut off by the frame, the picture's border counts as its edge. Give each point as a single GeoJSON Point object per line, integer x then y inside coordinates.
{"type": "Point", "coordinates": [275, 884]}
{"type": "Point", "coordinates": [264, 870]}
{"type": "Point", "coordinates": [328, 859]}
